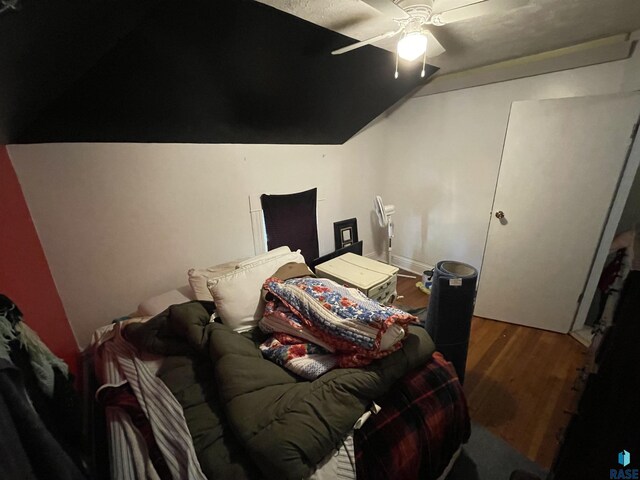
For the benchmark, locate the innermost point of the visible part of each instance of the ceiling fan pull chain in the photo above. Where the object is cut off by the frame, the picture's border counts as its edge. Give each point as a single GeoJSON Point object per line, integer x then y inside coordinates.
{"type": "Point", "coordinates": [396, 75]}
{"type": "Point", "coordinates": [424, 62]}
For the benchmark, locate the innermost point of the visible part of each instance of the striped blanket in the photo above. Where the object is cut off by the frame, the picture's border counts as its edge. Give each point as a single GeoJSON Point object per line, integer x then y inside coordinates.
{"type": "Point", "coordinates": [122, 397]}
{"type": "Point", "coordinates": [423, 421]}
{"type": "Point", "coordinates": [357, 329]}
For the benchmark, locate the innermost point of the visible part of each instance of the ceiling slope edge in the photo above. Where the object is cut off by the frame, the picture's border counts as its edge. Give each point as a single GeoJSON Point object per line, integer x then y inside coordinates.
{"type": "Point", "coordinates": [616, 47]}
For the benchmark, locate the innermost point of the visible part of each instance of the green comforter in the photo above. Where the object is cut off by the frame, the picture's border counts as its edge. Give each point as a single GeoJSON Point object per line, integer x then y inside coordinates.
{"type": "Point", "coordinates": [250, 418]}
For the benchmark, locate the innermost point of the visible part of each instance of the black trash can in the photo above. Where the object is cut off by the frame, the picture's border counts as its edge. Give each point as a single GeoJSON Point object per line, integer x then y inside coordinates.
{"type": "Point", "coordinates": [450, 310]}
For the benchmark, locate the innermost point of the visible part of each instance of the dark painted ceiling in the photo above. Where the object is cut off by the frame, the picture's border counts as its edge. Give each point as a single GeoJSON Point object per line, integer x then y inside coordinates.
{"type": "Point", "coordinates": [195, 71]}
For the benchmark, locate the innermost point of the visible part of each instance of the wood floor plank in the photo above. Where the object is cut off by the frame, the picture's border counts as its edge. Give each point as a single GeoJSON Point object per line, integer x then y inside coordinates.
{"type": "Point", "coordinates": [518, 379]}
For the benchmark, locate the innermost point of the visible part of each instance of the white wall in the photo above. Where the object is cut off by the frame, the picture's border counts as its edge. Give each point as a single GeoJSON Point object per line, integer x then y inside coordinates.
{"type": "Point", "coordinates": [122, 222]}
{"type": "Point", "coordinates": [443, 154]}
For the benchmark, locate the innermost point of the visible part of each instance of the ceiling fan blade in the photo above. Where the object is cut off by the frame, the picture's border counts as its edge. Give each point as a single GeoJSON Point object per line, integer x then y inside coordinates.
{"type": "Point", "coordinates": [434, 47]}
{"type": "Point", "coordinates": [478, 9]}
{"type": "Point", "coordinates": [388, 8]}
{"type": "Point", "coordinates": [368, 41]}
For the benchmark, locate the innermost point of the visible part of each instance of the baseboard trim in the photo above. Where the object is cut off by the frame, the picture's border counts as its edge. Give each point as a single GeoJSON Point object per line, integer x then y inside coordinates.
{"type": "Point", "coordinates": [584, 336]}
{"type": "Point", "coordinates": [410, 265]}
{"type": "Point", "coordinates": [374, 256]}
{"type": "Point", "coordinates": [404, 263]}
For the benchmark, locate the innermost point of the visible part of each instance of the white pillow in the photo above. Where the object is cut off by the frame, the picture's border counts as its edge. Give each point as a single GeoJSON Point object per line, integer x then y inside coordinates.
{"type": "Point", "coordinates": [276, 252]}
{"type": "Point", "coordinates": [238, 295]}
{"type": "Point", "coordinates": [198, 277]}
{"type": "Point", "coordinates": [154, 305]}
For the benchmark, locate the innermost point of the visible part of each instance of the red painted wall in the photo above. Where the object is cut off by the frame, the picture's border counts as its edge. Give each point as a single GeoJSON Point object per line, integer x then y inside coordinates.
{"type": "Point", "coordinates": [24, 273]}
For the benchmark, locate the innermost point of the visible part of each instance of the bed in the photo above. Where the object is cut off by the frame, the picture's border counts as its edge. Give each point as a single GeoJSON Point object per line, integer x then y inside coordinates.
{"type": "Point", "coordinates": [188, 396]}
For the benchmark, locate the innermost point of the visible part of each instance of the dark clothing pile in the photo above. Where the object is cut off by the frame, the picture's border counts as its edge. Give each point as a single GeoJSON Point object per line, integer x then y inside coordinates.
{"type": "Point", "coordinates": [40, 424]}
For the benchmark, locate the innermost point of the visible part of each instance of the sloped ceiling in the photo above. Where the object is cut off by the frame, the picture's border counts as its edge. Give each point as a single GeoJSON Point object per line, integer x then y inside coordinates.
{"type": "Point", "coordinates": [538, 26]}
{"type": "Point", "coordinates": [196, 71]}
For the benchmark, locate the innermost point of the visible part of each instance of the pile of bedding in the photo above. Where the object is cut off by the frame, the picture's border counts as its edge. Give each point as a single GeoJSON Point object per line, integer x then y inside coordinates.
{"type": "Point", "coordinates": [250, 418]}
{"type": "Point", "coordinates": [266, 421]}
{"type": "Point", "coordinates": [345, 328]}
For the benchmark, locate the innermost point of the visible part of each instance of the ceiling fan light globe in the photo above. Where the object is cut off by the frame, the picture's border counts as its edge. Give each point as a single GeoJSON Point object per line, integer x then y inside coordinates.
{"type": "Point", "coordinates": [412, 46]}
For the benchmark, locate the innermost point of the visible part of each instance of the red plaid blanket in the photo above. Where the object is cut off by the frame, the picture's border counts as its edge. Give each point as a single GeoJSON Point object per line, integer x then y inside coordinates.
{"type": "Point", "coordinates": [423, 421]}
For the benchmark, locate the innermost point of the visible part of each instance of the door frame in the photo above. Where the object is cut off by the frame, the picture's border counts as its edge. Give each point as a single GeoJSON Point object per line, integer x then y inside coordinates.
{"type": "Point", "coordinates": [632, 163]}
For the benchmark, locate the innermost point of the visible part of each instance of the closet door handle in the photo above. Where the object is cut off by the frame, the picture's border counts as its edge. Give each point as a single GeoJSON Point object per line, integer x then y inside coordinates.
{"type": "Point", "coordinates": [499, 214]}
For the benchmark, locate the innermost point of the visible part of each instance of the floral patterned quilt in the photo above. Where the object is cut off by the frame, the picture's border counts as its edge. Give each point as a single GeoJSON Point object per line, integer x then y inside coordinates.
{"type": "Point", "coordinates": [356, 328]}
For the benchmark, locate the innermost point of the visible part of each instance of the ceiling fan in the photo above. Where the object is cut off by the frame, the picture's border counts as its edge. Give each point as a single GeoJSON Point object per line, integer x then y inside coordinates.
{"type": "Point", "coordinates": [7, 5]}
{"type": "Point", "coordinates": [415, 18]}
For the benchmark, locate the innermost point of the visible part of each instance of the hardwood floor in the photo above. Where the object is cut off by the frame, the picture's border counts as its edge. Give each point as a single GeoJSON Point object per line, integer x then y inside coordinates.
{"type": "Point", "coordinates": [518, 379]}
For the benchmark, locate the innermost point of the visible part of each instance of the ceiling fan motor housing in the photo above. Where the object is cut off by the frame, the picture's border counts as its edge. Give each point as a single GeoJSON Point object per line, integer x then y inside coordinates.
{"type": "Point", "coordinates": [420, 9]}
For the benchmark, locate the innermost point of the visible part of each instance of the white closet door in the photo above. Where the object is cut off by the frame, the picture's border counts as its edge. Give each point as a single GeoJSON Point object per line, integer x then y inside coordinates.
{"type": "Point", "coordinates": [561, 164]}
